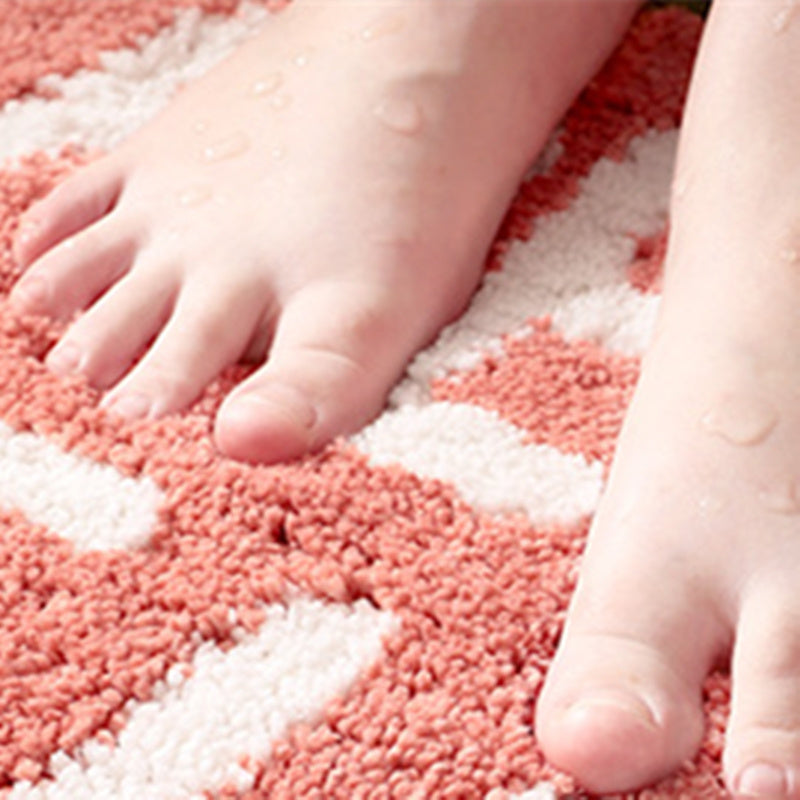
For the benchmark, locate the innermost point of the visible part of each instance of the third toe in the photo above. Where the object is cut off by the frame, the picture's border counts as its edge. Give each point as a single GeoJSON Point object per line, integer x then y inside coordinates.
{"type": "Point", "coordinates": [208, 329]}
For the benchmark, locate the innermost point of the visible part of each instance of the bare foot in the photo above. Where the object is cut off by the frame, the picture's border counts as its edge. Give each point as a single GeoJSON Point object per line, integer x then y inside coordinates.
{"type": "Point", "coordinates": [695, 551]}
{"type": "Point", "coordinates": [325, 197]}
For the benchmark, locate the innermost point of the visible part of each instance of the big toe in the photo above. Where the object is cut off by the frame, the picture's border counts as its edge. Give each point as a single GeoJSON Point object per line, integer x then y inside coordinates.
{"type": "Point", "coordinates": [621, 706]}
{"type": "Point", "coordinates": [332, 362]}
{"type": "Point", "coordinates": [615, 716]}
{"type": "Point", "coordinates": [268, 419]}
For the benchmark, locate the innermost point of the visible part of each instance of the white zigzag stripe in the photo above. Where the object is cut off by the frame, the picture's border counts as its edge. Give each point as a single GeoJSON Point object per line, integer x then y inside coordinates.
{"type": "Point", "coordinates": [573, 268]}
{"type": "Point", "coordinates": [543, 791]}
{"type": "Point", "coordinates": [189, 738]}
{"type": "Point", "coordinates": [91, 504]}
{"type": "Point", "coordinates": [485, 458]}
{"type": "Point", "coordinates": [99, 109]}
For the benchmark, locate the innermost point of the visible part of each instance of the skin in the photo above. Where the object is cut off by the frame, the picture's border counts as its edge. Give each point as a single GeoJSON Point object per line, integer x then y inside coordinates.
{"type": "Point", "coordinates": [692, 556]}
{"type": "Point", "coordinates": [421, 134]}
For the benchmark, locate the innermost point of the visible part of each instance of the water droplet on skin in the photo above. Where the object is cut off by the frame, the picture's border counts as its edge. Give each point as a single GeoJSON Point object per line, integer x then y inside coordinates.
{"type": "Point", "coordinates": [710, 504]}
{"type": "Point", "coordinates": [781, 20]}
{"type": "Point", "coordinates": [280, 101]}
{"type": "Point", "coordinates": [266, 85]}
{"type": "Point", "coordinates": [781, 497]}
{"type": "Point", "coordinates": [740, 419]}
{"type": "Point", "coordinates": [229, 147]}
{"type": "Point", "coordinates": [399, 114]}
{"type": "Point", "coordinates": [300, 60]}
{"type": "Point", "coordinates": [195, 195]}
{"type": "Point", "coordinates": [383, 27]}
{"type": "Point", "coordinates": [681, 185]}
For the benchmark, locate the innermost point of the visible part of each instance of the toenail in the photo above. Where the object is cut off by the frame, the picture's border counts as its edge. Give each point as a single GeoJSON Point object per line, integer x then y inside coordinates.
{"type": "Point", "coordinates": [30, 293]}
{"type": "Point", "coordinates": [291, 402]}
{"type": "Point", "coordinates": [618, 699]}
{"type": "Point", "coordinates": [129, 406]}
{"type": "Point", "coordinates": [64, 358]}
{"type": "Point", "coordinates": [762, 780]}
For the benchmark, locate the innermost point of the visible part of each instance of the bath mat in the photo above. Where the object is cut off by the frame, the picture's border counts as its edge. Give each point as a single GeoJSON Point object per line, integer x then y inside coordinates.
{"type": "Point", "coordinates": [374, 621]}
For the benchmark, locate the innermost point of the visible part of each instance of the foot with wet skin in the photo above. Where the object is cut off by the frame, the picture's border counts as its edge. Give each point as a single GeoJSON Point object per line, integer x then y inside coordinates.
{"type": "Point", "coordinates": [694, 554]}
{"type": "Point", "coordinates": [322, 200]}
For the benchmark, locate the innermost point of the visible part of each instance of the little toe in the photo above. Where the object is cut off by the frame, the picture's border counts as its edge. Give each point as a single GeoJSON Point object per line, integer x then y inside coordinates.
{"type": "Point", "coordinates": [762, 756]}
{"type": "Point", "coordinates": [621, 706]}
{"type": "Point", "coordinates": [209, 329]}
{"type": "Point", "coordinates": [71, 275]}
{"type": "Point", "coordinates": [334, 357]}
{"type": "Point", "coordinates": [79, 201]}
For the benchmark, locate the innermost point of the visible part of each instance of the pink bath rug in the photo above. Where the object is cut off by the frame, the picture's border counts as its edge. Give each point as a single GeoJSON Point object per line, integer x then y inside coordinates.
{"type": "Point", "coordinates": [374, 621]}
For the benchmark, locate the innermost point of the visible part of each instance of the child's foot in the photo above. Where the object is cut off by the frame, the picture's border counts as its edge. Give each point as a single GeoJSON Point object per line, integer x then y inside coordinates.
{"type": "Point", "coordinates": [325, 196]}
{"type": "Point", "coordinates": [696, 547]}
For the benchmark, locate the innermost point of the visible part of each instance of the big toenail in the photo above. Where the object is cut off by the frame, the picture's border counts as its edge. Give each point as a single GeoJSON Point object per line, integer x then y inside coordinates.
{"type": "Point", "coordinates": [290, 401]}
{"type": "Point", "coordinates": [129, 406]}
{"type": "Point", "coordinates": [30, 293]}
{"type": "Point", "coordinates": [618, 699]}
{"type": "Point", "coordinates": [64, 359]}
{"type": "Point", "coordinates": [762, 780]}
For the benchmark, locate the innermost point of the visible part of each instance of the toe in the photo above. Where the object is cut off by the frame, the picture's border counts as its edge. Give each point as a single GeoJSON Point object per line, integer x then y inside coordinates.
{"type": "Point", "coordinates": [621, 706]}
{"type": "Point", "coordinates": [762, 756]}
{"type": "Point", "coordinates": [73, 205]}
{"type": "Point", "coordinates": [103, 343]}
{"type": "Point", "coordinates": [76, 271]}
{"type": "Point", "coordinates": [209, 329]}
{"type": "Point", "coordinates": [335, 355]}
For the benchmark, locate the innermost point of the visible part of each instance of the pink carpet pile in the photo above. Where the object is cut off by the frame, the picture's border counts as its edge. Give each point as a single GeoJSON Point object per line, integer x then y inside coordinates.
{"type": "Point", "coordinates": [374, 621]}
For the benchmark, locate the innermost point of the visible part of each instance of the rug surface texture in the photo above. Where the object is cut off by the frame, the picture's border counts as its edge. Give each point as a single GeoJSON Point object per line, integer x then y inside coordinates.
{"type": "Point", "coordinates": [374, 621]}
